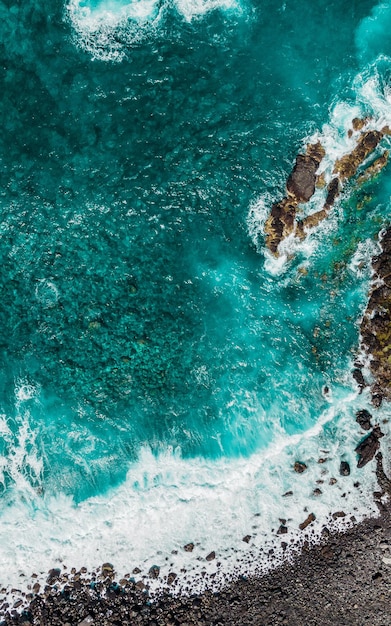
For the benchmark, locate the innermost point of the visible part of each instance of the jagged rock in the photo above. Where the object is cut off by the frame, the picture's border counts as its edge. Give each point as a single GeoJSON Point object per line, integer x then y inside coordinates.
{"type": "Point", "coordinates": [375, 168]}
{"type": "Point", "coordinates": [359, 378]}
{"type": "Point", "coordinates": [382, 478]}
{"type": "Point", "coordinates": [316, 151]}
{"type": "Point", "coordinates": [302, 179]}
{"type": "Point", "coordinates": [54, 574]}
{"type": "Point", "coordinates": [313, 220]}
{"type": "Point", "coordinates": [332, 192]}
{"type": "Point", "coordinates": [189, 547]}
{"type": "Point", "coordinates": [320, 181]}
{"type": "Point", "coordinates": [363, 417]}
{"type": "Point", "coordinates": [282, 530]}
{"type": "Point", "coordinates": [368, 447]}
{"type": "Point", "coordinates": [107, 570]}
{"type": "Point", "coordinates": [347, 166]}
{"type": "Point", "coordinates": [299, 467]}
{"type": "Point", "coordinates": [211, 556]}
{"type": "Point", "coordinates": [246, 539]}
{"type": "Point", "coordinates": [311, 518]}
{"type": "Point", "coordinates": [171, 577]}
{"type": "Point", "coordinates": [280, 223]}
{"type": "Point", "coordinates": [358, 123]}
{"type": "Point", "coordinates": [338, 514]}
{"type": "Point", "coordinates": [375, 328]}
{"type": "Point", "coordinates": [344, 468]}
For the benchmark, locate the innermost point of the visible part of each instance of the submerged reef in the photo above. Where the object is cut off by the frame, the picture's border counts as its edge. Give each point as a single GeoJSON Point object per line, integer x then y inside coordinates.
{"type": "Point", "coordinates": [285, 216]}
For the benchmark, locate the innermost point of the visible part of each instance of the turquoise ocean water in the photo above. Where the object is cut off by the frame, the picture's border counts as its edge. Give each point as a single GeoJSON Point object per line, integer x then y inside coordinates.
{"type": "Point", "coordinates": [160, 373]}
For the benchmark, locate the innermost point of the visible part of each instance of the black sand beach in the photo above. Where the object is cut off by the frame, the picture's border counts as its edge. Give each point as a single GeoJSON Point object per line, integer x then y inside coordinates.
{"type": "Point", "coordinates": [346, 581]}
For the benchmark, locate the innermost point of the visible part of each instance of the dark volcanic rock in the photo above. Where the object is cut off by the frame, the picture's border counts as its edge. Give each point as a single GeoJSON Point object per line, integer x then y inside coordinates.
{"type": "Point", "coordinates": [363, 418]}
{"type": "Point", "coordinates": [344, 468]}
{"type": "Point", "coordinates": [332, 192]}
{"type": "Point", "coordinates": [301, 181]}
{"type": "Point", "coordinates": [54, 574]}
{"type": "Point", "coordinates": [375, 327]}
{"type": "Point", "coordinates": [368, 447]}
{"type": "Point", "coordinates": [359, 378]}
{"type": "Point", "coordinates": [311, 518]}
{"type": "Point", "coordinates": [280, 223]}
{"type": "Point", "coordinates": [299, 467]}
{"type": "Point", "coordinates": [154, 571]}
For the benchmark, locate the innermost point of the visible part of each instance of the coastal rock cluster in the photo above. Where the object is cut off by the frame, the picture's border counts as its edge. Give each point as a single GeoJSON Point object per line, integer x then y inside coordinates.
{"type": "Point", "coordinates": [375, 328]}
{"type": "Point", "coordinates": [344, 580]}
{"type": "Point", "coordinates": [285, 216]}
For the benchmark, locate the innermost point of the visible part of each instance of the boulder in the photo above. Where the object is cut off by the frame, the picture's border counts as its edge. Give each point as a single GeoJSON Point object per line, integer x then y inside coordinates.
{"type": "Point", "coordinates": [154, 571]}
{"type": "Point", "coordinates": [368, 447]}
{"type": "Point", "coordinates": [54, 575]}
{"type": "Point", "coordinates": [302, 180]}
{"type": "Point", "coordinates": [358, 123]}
{"type": "Point", "coordinates": [311, 518]}
{"type": "Point", "coordinates": [332, 192]}
{"type": "Point", "coordinates": [363, 417]}
{"type": "Point", "coordinates": [344, 468]}
{"type": "Point", "coordinates": [171, 577]}
{"type": "Point", "coordinates": [359, 378]}
{"type": "Point", "coordinates": [299, 467]}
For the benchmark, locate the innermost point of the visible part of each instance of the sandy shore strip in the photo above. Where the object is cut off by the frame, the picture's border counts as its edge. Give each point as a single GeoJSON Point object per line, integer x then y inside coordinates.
{"type": "Point", "coordinates": [344, 581]}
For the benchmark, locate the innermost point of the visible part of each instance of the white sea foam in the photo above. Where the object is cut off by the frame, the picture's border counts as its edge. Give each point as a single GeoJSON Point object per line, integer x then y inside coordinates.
{"type": "Point", "coordinates": [107, 28]}
{"type": "Point", "coordinates": [167, 502]}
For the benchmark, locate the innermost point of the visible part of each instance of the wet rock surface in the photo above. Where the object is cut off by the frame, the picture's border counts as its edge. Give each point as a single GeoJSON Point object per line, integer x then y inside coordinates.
{"type": "Point", "coordinates": [346, 580]}
{"type": "Point", "coordinates": [368, 447]}
{"type": "Point", "coordinates": [363, 417]}
{"type": "Point", "coordinates": [285, 219]}
{"type": "Point", "coordinates": [375, 328]}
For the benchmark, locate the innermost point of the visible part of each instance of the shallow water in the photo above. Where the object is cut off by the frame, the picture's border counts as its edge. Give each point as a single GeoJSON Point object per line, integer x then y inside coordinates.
{"type": "Point", "coordinates": [161, 373]}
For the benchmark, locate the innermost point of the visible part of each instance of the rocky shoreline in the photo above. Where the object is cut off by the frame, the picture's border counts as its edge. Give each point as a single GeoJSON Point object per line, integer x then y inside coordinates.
{"type": "Point", "coordinates": [345, 580]}
{"type": "Point", "coordinates": [375, 329]}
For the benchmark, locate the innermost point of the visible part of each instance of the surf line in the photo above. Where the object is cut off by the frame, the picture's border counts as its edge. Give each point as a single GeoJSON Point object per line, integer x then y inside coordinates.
{"type": "Point", "coordinates": [284, 219]}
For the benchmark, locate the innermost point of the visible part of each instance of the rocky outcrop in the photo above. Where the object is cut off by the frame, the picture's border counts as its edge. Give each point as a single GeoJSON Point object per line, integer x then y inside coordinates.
{"type": "Point", "coordinates": [375, 326]}
{"type": "Point", "coordinates": [363, 417]}
{"type": "Point", "coordinates": [285, 220]}
{"type": "Point", "coordinates": [300, 188]}
{"type": "Point", "coordinates": [346, 167]}
{"type": "Point", "coordinates": [302, 180]}
{"type": "Point", "coordinates": [368, 447]}
{"type": "Point", "coordinates": [280, 223]}
{"type": "Point", "coordinates": [373, 170]}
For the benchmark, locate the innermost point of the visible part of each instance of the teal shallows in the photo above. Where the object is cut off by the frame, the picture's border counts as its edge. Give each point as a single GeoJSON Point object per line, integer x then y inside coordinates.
{"type": "Point", "coordinates": [132, 300]}
{"type": "Point", "coordinates": [372, 38]}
